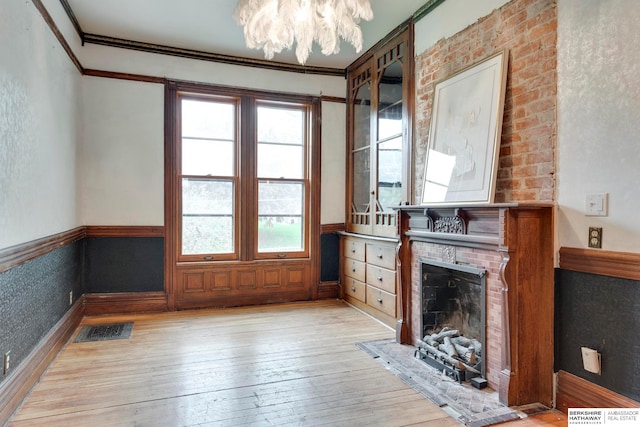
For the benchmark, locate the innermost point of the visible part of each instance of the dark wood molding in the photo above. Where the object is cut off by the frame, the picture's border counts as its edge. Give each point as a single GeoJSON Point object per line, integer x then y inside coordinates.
{"type": "Point", "coordinates": [54, 29]}
{"type": "Point", "coordinates": [124, 76]}
{"type": "Point", "coordinates": [575, 392]}
{"type": "Point", "coordinates": [18, 385]}
{"type": "Point", "coordinates": [332, 228]}
{"type": "Point", "coordinates": [125, 303]}
{"type": "Point", "coordinates": [208, 56]}
{"type": "Point", "coordinates": [625, 265]}
{"type": "Point", "coordinates": [376, 48]}
{"type": "Point", "coordinates": [72, 18]}
{"type": "Point", "coordinates": [335, 99]}
{"type": "Point", "coordinates": [124, 231]}
{"type": "Point", "coordinates": [426, 9]}
{"type": "Point", "coordinates": [19, 254]}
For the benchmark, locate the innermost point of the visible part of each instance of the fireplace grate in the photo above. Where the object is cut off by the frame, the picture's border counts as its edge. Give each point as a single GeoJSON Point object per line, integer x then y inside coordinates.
{"type": "Point", "coordinates": [453, 372]}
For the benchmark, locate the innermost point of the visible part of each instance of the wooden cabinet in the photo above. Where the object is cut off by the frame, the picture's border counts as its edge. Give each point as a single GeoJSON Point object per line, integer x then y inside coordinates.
{"type": "Point", "coordinates": [368, 277]}
{"type": "Point", "coordinates": [379, 104]}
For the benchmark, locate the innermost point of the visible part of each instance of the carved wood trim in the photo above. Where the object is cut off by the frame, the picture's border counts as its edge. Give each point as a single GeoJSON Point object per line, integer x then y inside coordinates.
{"type": "Point", "coordinates": [124, 231]}
{"type": "Point", "coordinates": [18, 385]}
{"type": "Point", "coordinates": [19, 254]}
{"type": "Point", "coordinates": [575, 392]}
{"type": "Point", "coordinates": [624, 265]}
{"type": "Point", "coordinates": [124, 303]}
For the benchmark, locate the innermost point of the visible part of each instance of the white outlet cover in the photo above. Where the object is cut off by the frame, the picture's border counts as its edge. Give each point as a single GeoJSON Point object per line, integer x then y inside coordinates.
{"type": "Point", "coordinates": [596, 204]}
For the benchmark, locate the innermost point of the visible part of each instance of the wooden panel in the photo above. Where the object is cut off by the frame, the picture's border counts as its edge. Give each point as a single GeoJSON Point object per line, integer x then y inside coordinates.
{"type": "Point", "coordinates": [355, 269]}
{"type": "Point", "coordinates": [247, 279]}
{"type": "Point", "coordinates": [19, 254]}
{"type": "Point", "coordinates": [295, 276]}
{"type": "Point", "coordinates": [355, 289]}
{"type": "Point", "coordinates": [381, 278]}
{"type": "Point", "coordinates": [380, 255]}
{"type": "Point", "coordinates": [624, 265]}
{"type": "Point", "coordinates": [220, 280]}
{"type": "Point", "coordinates": [18, 385]}
{"type": "Point", "coordinates": [575, 392]}
{"type": "Point", "coordinates": [193, 281]}
{"type": "Point", "coordinates": [354, 249]}
{"type": "Point", "coordinates": [272, 278]}
{"type": "Point", "coordinates": [381, 300]}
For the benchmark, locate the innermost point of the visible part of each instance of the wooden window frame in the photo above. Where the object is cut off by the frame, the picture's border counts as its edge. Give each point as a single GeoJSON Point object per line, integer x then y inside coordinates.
{"type": "Point", "coordinates": [246, 229]}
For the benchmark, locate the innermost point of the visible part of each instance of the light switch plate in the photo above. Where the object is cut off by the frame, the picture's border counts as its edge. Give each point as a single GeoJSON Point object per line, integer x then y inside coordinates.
{"type": "Point", "coordinates": [596, 204]}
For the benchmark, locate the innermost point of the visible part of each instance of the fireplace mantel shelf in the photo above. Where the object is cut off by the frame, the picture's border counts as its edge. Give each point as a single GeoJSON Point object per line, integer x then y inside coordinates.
{"type": "Point", "coordinates": [514, 241]}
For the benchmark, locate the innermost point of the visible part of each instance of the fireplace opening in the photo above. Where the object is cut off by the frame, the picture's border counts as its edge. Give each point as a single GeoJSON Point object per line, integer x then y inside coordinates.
{"type": "Point", "coordinates": [453, 319]}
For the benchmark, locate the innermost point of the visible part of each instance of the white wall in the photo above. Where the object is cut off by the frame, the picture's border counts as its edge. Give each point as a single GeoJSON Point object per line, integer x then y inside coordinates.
{"type": "Point", "coordinates": [122, 152]}
{"type": "Point", "coordinates": [39, 89]}
{"type": "Point", "coordinates": [334, 136]}
{"type": "Point", "coordinates": [450, 18]}
{"type": "Point", "coordinates": [599, 120]}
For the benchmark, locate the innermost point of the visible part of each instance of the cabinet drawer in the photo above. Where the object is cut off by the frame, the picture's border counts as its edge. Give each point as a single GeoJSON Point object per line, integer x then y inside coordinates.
{"type": "Point", "coordinates": [382, 256]}
{"type": "Point", "coordinates": [355, 289]}
{"type": "Point", "coordinates": [381, 278]}
{"type": "Point", "coordinates": [354, 269]}
{"type": "Point", "coordinates": [381, 300]}
{"type": "Point", "coordinates": [353, 248]}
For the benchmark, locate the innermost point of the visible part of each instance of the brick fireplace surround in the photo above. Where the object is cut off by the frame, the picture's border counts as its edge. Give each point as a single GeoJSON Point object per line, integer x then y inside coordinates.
{"type": "Point", "coordinates": [514, 243]}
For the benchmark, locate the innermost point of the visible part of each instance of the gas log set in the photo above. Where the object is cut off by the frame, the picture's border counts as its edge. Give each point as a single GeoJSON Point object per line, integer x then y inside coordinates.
{"type": "Point", "coordinates": [457, 356]}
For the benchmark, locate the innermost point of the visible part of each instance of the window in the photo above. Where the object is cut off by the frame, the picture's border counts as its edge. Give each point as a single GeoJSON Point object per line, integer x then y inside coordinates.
{"type": "Point", "coordinates": [243, 169]}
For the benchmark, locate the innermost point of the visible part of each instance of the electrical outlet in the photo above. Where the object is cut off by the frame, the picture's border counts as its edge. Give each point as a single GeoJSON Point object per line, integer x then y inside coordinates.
{"type": "Point", "coordinates": [595, 237]}
{"type": "Point", "coordinates": [70, 297]}
{"type": "Point", "coordinates": [5, 363]}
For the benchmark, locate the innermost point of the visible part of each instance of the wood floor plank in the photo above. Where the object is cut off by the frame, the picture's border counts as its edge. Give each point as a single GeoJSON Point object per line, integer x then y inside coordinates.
{"type": "Point", "coordinates": [287, 364]}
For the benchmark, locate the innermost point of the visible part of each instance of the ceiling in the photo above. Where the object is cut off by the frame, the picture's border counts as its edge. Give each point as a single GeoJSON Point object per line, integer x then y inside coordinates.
{"type": "Point", "coordinates": [208, 26]}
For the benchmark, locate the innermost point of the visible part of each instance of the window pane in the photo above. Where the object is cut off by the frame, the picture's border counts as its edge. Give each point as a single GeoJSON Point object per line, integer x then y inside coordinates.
{"type": "Point", "coordinates": [282, 125]}
{"type": "Point", "coordinates": [208, 119]}
{"type": "Point", "coordinates": [207, 157]}
{"type": "Point", "coordinates": [280, 219]}
{"type": "Point", "coordinates": [280, 161]}
{"type": "Point", "coordinates": [390, 173]}
{"type": "Point", "coordinates": [207, 216]}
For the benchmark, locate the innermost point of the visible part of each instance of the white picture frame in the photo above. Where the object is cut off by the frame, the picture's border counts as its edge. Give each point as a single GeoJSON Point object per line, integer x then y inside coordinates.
{"type": "Point", "coordinates": [464, 135]}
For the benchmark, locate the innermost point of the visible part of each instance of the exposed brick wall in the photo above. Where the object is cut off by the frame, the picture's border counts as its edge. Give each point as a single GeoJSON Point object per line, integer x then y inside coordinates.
{"type": "Point", "coordinates": [480, 258]}
{"type": "Point", "coordinates": [528, 30]}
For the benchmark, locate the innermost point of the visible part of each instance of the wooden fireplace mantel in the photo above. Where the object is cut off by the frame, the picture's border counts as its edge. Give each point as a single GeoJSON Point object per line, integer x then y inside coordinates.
{"type": "Point", "coordinates": [522, 234]}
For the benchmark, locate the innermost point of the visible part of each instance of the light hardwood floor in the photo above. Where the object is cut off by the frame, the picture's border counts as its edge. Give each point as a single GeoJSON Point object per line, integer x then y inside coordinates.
{"type": "Point", "coordinates": [288, 364]}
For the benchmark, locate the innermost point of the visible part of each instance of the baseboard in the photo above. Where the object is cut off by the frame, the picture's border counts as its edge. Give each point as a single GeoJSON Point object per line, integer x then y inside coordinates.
{"type": "Point", "coordinates": [19, 384]}
{"type": "Point", "coordinates": [124, 303]}
{"type": "Point", "coordinates": [575, 392]}
{"type": "Point", "coordinates": [328, 290]}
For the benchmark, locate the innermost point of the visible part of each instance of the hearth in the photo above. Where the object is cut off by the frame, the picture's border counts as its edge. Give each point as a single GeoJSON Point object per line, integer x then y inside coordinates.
{"type": "Point", "coordinates": [453, 319]}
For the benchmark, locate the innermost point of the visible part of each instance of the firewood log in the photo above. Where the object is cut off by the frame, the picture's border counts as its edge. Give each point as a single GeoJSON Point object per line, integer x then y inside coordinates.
{"type": "Point", "coordinates": [449, 348]}
{"type": "Point", "coordinates": [445, 332]}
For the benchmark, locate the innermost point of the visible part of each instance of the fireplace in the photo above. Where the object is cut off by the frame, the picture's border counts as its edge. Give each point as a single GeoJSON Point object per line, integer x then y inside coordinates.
{"type": "Point", "coordinates": [453, 318]}
{"type": "Point", "coordinates": [506, 251]}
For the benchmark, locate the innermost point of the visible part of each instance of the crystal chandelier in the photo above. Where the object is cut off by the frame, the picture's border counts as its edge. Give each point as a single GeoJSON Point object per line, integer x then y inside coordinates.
{"type": "Point", "coordinates": [273, 25]}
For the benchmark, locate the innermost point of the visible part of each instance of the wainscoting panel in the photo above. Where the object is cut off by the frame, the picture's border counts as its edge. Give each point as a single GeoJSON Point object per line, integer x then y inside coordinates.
{"type": "Point", "coordinates": [34, 296]}
{"type": "Point", "coordinates": [124, 264]}
{"type": "Point", "coordinates": [599, 312]}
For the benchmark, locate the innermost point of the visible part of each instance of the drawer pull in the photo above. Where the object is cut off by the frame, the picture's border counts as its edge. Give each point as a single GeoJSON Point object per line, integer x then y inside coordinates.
{"type": "Point", "coordinates": [353, 289]}
{"type": "Point", "coordinates": [379, 300]}
{"type": "Point", "coordinates": [353, 269]}
{"type": "Point", "coordinates": [380, 256]}
{"type": "Point", "coordinates": [379, 279]}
